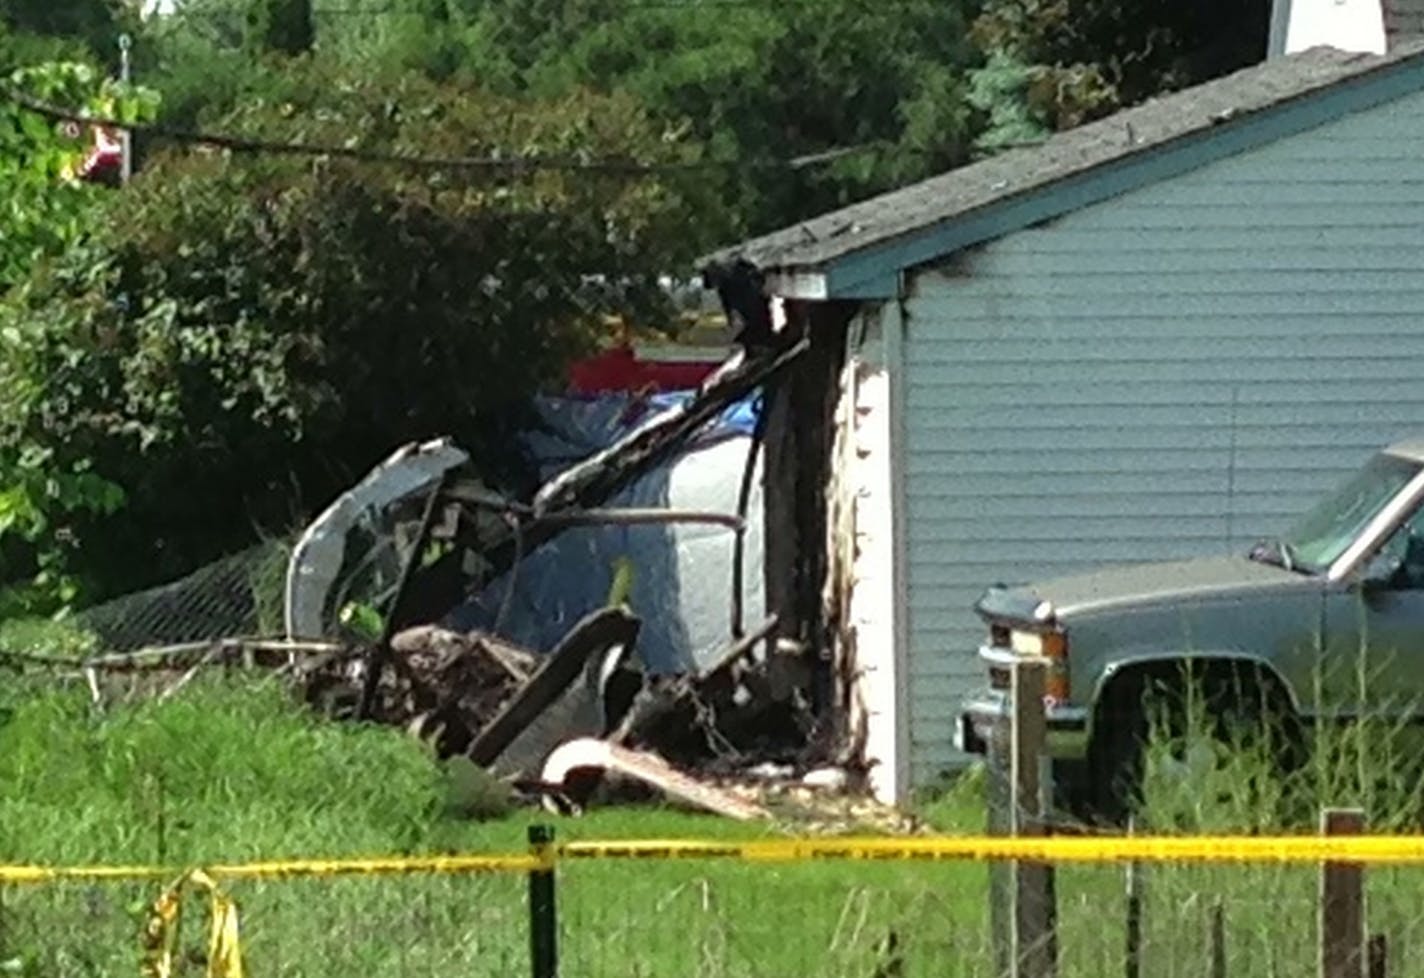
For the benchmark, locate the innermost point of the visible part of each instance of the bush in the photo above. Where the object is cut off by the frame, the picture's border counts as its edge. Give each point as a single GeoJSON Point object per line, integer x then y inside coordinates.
{"type": "Point", "coordinates": [242, 338]}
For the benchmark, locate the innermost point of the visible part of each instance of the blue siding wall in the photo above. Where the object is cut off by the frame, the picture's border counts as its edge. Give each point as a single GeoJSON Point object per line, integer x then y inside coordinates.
{"type": "Point", "coordinates": [1170, 373]}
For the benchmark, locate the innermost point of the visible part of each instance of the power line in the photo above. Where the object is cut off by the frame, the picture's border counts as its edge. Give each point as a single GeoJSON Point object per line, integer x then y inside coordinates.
{"type": "Point", "coordinates": [682, 6]}
{"type": "Point", "coordinates": [517, 164]}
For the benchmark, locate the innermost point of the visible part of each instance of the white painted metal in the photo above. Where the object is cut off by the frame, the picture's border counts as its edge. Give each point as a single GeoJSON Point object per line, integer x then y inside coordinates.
{"type": "Point", "coordinates": [1350, 25]}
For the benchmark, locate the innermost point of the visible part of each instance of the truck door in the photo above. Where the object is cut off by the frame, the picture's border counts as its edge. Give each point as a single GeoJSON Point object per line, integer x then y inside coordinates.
{"type": "Point", "coordinates": [1374, 631]}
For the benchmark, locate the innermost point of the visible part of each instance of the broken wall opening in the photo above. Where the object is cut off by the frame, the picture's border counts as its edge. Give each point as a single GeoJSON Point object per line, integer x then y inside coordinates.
{"type": "Point", "coordinates": [799, 455]}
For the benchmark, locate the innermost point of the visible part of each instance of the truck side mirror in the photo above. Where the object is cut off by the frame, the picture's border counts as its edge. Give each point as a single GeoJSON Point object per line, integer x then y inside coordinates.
{"type": "Point", "coordinates": [1380, 573]}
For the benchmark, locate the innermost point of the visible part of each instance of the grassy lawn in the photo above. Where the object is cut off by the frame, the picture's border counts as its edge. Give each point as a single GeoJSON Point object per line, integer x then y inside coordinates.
{"type": "Point", "coordinates": [230, 774]}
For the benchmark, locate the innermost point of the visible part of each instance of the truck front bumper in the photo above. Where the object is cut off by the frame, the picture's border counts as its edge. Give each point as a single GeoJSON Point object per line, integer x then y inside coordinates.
{"type": "Point", "coordinates": [991, 709]}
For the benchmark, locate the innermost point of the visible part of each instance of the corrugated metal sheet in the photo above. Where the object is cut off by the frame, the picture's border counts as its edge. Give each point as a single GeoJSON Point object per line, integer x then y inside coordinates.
{"type": "Point", "coordinates": [1171, 373]}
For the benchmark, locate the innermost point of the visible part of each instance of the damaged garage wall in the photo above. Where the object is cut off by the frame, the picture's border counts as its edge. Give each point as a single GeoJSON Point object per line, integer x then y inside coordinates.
{"type": "Point", "coordinates": [862, 587]}
{"type": "Point", "coordinates": [801, 405]}
{"type": "Point", "coordinates": [574, 645]}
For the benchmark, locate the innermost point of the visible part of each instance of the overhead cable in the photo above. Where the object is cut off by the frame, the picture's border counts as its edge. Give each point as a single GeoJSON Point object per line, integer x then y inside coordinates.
{"type": "Point", "coordinates": [493, 163]}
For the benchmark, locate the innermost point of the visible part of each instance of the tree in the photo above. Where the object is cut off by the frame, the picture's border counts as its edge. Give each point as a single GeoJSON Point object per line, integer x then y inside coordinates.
{"type": "Point", "coordinates": [1053, 64]}
{"type": "Point", "coordinates": [48, 207]}
{"type": "Point", "coordinates": [281, 26]}
{"type": "Point", "coordinates": [767, 81]}
{"type": "Point", "coordinates": [245, 336]}
{"type": "Point", "coordinates": [48, 212]}
{"type": "Point", "coordinates": [31, 28]}
{"type": "Point", "coordinates": [754, 81]}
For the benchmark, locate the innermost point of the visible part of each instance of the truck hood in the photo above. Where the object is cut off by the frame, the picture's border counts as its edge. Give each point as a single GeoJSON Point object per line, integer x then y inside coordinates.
{"type": "Point", "coordinates": [1137, 585]}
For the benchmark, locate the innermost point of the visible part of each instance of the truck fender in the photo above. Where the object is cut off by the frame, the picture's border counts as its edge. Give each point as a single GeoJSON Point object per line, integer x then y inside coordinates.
{"type": "Point", "coordinates": [1120, 668]}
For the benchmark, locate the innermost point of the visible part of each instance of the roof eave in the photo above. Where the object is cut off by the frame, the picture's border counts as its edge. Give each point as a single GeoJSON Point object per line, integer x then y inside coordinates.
{"type": "Point", "coordinates": [876, 269]}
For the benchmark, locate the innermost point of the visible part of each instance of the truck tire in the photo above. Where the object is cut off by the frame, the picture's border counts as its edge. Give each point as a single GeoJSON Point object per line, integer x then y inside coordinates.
{"type": "Point", "coordinates": [1115, 758]}
{"type": "Point", "coordinates": [1235, 703]}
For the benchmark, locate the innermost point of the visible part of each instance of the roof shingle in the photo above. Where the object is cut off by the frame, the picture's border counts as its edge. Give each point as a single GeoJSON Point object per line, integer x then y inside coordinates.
{"type": "Point", "coordinates": [1153, 124]}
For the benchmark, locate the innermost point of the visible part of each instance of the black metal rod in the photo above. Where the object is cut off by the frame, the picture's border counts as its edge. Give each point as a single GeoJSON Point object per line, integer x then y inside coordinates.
{"type": "Point", "coordinates": [744, 494]}
{"type": "Point", "coordinates": [376, 659]}
{"type": "Point", "coordinates": [1377, 957]}
{"type": "Point", "coordinates": [1132, 959]}
{"type": "Point", "coordinates": [1217, 939]}
{"type": "Point", "coordinates": [640, 517]}
{"type": "Point", "coordinates": [543, 908]}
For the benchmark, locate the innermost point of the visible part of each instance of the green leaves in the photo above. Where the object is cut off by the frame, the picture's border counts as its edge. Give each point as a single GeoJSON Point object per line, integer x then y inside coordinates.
{"type": "Point", "coordinates": [1054, 64]}
{"type": "Point", "coordinates": [235, 340]}
{"type": "Point", "coordinates": [281, 26]}
{"type": "Point", "coordinates": [45, 486]}
{"type": "Point", "coordinates": [47, 208]}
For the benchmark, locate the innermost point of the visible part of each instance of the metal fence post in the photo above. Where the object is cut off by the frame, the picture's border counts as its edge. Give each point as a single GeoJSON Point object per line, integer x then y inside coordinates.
{"type": "Point", "coordinates": [1216, 938]}
{"type": "Point", "coordinates": [1377, 953]}
{"type": "Point", "coordinates": [1132, 959]}
{"type": "Point", "coordinates": [999, 801]}
{"type": "Point", "coordinates": [543, 909]}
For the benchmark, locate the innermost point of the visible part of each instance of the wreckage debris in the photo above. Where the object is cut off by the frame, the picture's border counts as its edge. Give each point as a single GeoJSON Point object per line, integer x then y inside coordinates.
{"type": "Point", "coordinates": [827, 779]}
{"type": "Point", "coordinates": [600, 730]}
{"type": "Point", "coordinates": [508, 709]}
{"type": "Point", "coordinates": [583, 718]}
{"type": "Point", "coordinates": [732, 734]}
{"type": "Point", "coordinates": [568, 768]}
{"type": "Point", "coordinates": [442, 687]}
{"type": "Point", "coordinates": [583, 686]}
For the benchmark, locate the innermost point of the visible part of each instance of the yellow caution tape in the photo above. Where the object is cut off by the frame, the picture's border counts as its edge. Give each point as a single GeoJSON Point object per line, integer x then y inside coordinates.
{"type": "Point", "coordinates": [1393, 850]}
{"type": "Point", "coordinates": [396, 866]}
{"type": "Point", "coordinates": [160, 936]}
{"type": "Point", "coordinates": [25, 875]}
{"type": "Point", "coordinates": [276, 869]}
{"type": "Point", "coordinates": [1365, 849]}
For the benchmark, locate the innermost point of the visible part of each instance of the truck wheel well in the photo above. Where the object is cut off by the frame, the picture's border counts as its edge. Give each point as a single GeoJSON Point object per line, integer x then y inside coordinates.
{"type": "Point", "coordinates": [1120, 722]}
{"type": "Point", "coordinates": [1240, 680]}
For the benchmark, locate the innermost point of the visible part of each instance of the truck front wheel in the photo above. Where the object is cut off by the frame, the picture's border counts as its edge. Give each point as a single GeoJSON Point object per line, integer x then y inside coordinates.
{"type": "Point", "coordinates": [1209, 709]}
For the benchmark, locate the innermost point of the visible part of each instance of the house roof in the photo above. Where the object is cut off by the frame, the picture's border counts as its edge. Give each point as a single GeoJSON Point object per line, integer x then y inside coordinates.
{"type": "Point", "coordinates": [1403, 21]}
{"type": "Point", "coordinates": [858, 251]}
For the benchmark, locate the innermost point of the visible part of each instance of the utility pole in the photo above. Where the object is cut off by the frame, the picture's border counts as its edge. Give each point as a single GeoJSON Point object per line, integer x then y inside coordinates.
{"type": "Point", "coordinates": [125, 137]}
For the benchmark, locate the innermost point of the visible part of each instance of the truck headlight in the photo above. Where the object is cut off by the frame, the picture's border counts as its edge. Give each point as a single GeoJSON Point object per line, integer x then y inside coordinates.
{"type": "Point", "coordinates": [1050, 645]}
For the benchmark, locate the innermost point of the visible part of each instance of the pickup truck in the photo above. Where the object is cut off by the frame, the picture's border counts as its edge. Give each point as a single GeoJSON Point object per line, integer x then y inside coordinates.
{"type": "Point", "coordinates": [1320, 624]}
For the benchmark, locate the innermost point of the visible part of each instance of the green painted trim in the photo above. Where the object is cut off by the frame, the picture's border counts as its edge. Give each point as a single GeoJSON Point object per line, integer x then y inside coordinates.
{"type": "Point", "coordinates": [873, 272]}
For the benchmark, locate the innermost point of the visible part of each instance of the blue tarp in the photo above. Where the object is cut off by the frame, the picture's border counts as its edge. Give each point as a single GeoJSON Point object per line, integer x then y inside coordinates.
{"type": "Point", "coordinates": [682, 574]}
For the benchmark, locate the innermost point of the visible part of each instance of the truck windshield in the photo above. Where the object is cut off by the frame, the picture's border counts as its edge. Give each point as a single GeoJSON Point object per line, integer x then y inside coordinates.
{"type": "Point", "coordinates": [1329, 529]}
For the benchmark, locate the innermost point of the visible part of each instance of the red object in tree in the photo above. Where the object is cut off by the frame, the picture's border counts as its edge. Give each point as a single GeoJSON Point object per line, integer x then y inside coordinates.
{"type": "Point", "coordinates": [619, 370]}
{"type": "Point", "coordinates": [104, 157]}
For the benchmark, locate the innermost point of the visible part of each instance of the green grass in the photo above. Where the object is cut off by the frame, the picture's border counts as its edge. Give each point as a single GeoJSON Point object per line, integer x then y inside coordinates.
{"type": "Point", "coordinates": [1197, 786]}
{"type": "Point", "coordinates": [227, 773]}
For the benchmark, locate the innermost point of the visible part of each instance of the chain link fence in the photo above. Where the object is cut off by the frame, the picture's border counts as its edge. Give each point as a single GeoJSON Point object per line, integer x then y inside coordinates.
{"type": "Point", "coordinates": [240, 595]}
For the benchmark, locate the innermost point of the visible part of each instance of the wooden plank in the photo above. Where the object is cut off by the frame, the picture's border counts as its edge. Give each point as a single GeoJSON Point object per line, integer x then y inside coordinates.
{"type": "Point", "coordinates": [1034, 944]}
{"type": "Point", "coordinates": [1342, 902]}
